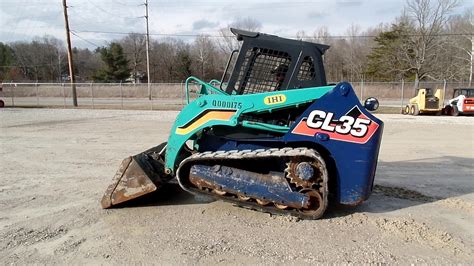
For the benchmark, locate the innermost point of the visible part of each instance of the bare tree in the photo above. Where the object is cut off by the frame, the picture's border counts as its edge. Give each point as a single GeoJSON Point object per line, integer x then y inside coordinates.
{"type": "Point", "coordinates": [56, 47]}
{"type": "Point", "coordinates": [301, 35]}
{"type": "Point", "coordinates": [38, 59]}
{"type": "Point", "coordinates": [228, 43]}
{"type": "Point", "coordinates": [356, 53]}
{"type": "Point", "coordinates": [321, 35]}
{"type": "Point", "coordinates": [134, 49]}
{"type": "Point", "coordinates": [86, 63]}
{"type": "Point", "coordinates": [333, 58]}
{"type": "Point", "coordinates": [428, 19]}
{"type": "Point", "coordinates": [204, 54]}
{"type": "Point", "coordinates": [463, 45]}
{"type": "Point", "coordinates": [163, 60]}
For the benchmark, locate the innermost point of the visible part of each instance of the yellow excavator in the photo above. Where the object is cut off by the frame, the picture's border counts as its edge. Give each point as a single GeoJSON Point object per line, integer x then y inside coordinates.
{"type": "Point", "coordinates": [425, 102]}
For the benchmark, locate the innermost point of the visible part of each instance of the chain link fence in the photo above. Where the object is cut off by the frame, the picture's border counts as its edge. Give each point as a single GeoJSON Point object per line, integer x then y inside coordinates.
{"type": "Point", "coordinates": [171, 96]}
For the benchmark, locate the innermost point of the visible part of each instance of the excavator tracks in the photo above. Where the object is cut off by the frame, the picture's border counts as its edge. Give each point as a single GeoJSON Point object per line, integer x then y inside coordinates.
{"type": "Point", "coordinates": [297, 185]}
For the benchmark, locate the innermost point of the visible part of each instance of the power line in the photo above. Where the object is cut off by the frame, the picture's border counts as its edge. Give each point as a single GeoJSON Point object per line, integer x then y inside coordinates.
{"type": "Point", "coordinates": [92, 43]}
{"type": "Point", "coordinates": [294, 37]}
{"type": "Point", "coordinates": [32, 65]}
{"type": "Point", "coordinates": [75, 34]}
{"type": "Point", "coordinates": [100, 8]}
{"type": "Point", "coordinates": [110, 10]}
{"type": "Point", "coordinates": [124, 4]}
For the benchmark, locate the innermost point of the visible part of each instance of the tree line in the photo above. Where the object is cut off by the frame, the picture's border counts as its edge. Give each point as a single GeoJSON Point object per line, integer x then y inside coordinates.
{"type": "Point", "coordinates": [426, 42]}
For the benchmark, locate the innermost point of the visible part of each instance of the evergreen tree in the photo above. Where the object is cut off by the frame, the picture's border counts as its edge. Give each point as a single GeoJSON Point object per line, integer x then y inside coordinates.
{"type": "Point", "coordinates": [184, 60]}
{"type": "Point", "coordinates": [7, 59]}
{"type": "Point", "coordinates": [116, 65]}
{"type": "Point", "coordinates": [385, 60]}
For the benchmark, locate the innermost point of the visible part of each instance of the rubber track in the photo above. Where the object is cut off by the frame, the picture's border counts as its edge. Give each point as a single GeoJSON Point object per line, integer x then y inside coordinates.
{"type": "Point", "coordinates": [249, 154]}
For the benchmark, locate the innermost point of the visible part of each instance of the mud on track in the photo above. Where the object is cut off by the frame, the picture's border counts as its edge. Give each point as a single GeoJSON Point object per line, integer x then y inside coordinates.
{"type": "Point", "coordinates": [55, 164]}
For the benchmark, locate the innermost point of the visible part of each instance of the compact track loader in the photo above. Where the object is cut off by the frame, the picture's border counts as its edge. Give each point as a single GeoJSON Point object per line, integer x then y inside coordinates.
{"type": "Point", "coordinates": [273, 136]}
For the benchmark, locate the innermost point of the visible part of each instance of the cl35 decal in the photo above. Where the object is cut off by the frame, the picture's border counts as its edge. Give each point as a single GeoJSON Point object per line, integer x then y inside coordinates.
{"type": "Point", "coordinates": [352, 127]}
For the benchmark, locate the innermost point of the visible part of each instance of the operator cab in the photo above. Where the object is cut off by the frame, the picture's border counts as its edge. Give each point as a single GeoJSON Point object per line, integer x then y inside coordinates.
{"type": "Point", "coordinates": [468, 92]}
{"type": "Point", "coordinates": [270, 63]}
{"type": "Point", "coordinates": [428, 91]}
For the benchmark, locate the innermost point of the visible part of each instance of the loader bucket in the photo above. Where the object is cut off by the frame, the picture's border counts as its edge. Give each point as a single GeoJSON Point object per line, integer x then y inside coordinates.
{"type": "Point", "coordinates": [138, 175]}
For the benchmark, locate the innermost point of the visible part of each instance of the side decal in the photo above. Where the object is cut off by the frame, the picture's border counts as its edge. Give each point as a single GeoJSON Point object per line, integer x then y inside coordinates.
{"type": "Point", "coordinates": [204, 117]}
{"type": "Point", "coordinates": [353, 127]}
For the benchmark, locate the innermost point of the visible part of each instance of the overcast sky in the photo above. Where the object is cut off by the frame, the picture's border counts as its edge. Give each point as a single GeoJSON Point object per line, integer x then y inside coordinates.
{"type": "Point", "coordinates": [26, 19]}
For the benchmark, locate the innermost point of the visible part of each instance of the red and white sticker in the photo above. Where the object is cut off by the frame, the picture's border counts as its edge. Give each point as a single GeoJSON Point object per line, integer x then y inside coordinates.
{"type": "Point", "coordinates": [352, 127]}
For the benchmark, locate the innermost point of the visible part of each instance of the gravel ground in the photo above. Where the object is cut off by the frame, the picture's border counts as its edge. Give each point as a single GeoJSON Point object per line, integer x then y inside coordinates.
{"type": "Point", "coordinates": [55, 164]}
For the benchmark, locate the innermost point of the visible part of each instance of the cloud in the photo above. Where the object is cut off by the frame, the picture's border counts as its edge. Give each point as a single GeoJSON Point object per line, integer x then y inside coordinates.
{"type": "Point", "coordinates": [317, 15]}
{"type": "Point", "coordinates": [202, 24]}
{"type": "Point", "coordinates": [348, 3]}
{"type": "Point", "coordinates": [94, 20]}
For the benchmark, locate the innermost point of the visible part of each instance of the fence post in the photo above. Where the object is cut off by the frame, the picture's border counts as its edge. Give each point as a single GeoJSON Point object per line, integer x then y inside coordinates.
{"type": "Point", "coordinates": [182, 93]}
{"type": "Point", "coordinates": [12, 94]}
{"type": "Point", "coordinates": [403, 88]}
{"type": "Point", "coordinates": [64, 94]}
{"type": "Point", "coordinates": [151, 96]}
{"type": "Point", "coordinates": [92, 95]}
{"type": "Point", "coordinates": [37, 97]}
{"type": "Point", "coordinates": [121, 95]}
{"type": "Point", "coordinates": [444, 92]}
{"type": "Point", "coordinates": [361, 89]}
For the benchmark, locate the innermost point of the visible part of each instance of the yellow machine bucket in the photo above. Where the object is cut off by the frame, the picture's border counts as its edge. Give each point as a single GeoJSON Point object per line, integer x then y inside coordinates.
{"type": "Point", "coordinates": [138, 175]}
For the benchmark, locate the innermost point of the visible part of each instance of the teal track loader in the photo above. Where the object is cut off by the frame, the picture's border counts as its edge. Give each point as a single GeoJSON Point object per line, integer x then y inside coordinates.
{"type": "Point", "coordinates": [271, 136]}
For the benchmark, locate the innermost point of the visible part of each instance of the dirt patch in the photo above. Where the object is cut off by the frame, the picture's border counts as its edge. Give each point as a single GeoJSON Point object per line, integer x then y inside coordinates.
{"type": "Point", "coordinates": [69, 245]}
{"type": "Point", "coordinates": [27, 236]}
{"type": "Point", "coordinates": [459, 204]}
{"type": "Point", "coordinates": [411, 231]}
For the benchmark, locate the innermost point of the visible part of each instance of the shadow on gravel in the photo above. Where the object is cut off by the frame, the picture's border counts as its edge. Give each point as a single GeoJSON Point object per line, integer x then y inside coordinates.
{"type": "Point", "coordinates": [404, 184]}
{"type": "Point", "coordinates": [169, 194]}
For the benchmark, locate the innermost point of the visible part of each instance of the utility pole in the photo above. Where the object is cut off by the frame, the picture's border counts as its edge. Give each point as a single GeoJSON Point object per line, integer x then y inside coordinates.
{"type": "Point", "coordinates": [59, 65]}
{"type": "Point", "coordinates": [147, 43]}
{"type": "Point", "coordinates": [472, 60]}
{"type": "Point", "coordinates": [69, 55]}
